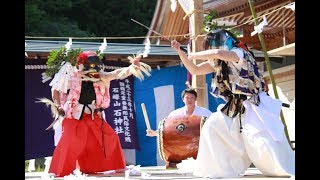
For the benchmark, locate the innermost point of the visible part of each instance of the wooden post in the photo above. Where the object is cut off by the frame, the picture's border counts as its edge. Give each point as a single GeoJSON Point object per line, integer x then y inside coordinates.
{"type": "Point", "coordinates": [198, 81]}
{"type": "Point", "coordinates": [263, 45]}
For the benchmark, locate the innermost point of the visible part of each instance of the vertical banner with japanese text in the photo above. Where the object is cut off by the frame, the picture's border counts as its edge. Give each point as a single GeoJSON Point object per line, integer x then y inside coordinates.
{"type": "Point", "coordinates": [121, 113]}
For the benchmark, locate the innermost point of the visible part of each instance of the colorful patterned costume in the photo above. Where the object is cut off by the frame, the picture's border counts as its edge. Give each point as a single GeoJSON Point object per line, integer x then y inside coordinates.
{"type": "Point", "coordinates": [236, 82]}
{"type": "Point", "coordinates": [86, 136]}
{"type": "Point", "coordinates": [81, 93]}
{"type": "Point", "coordinates": [224, 151]}
{"type": "Point", "coordinates": [247, 129]}
{"type": "Point", "coordinates": [89, 140]}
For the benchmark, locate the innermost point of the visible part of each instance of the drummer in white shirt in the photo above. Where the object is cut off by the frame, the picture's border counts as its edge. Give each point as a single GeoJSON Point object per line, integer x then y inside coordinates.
{"type": "Point", "coordinates": [189, 97]}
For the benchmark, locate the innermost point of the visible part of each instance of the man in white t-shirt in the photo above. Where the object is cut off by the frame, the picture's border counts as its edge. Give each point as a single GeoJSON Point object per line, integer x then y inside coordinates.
{"type": "Point", "coordinates": [189, 97]}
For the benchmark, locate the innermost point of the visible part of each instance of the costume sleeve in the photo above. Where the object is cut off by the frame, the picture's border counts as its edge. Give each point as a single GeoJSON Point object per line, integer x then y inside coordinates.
{"type": "Point", "coordinates": [240, 54]}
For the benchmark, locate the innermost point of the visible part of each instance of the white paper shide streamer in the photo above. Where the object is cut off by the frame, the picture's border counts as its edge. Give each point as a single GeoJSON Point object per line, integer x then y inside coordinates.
{"type": "Point", "coordinates": [68, 45]}
{"type": "Point", "coordinates": [45, 77]}
{"type": "Point", "coordinates": [173, 5]}
{"type": "Point", "coordinates": [103, 46]}
{"type": "Point", "coordinates": [259, 28]}
{"type": "Point", "coordinates": [61, 81]}
{"type": "Point", "coordinates": [291, 6]}
{"type": "Point", "coordinates": [25, 53]}
{"type": "Point", "coordinates": [146, 48]}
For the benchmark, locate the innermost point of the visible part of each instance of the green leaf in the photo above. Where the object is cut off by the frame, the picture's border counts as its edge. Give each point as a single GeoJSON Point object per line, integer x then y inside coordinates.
{"type": "Point", "coordinates": [55, 58]}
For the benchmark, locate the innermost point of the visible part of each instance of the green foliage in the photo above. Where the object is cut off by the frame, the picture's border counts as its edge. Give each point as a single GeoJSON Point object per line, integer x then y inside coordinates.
{"type": "Point", "coordinates": [87, 18]}
{"type": "Point", "coordinates": [33, 16]}
{"type": "Point", "coordinates": [210, 25]}
{"type": "Point", "coordinates": [26, 164]}
{"type": "Point", "coordinates": [207, 24]}
{"type": "Point", "coordinates": [55, 58]}
{"type": "Point", "coordinates": [100, 55]}
{"type": "Point", "coordinates": [39, 165]}
{"type": "Point", "coordinates": [47, 18]}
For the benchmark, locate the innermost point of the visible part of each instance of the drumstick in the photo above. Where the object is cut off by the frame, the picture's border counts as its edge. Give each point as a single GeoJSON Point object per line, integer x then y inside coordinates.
{"type": "Point", "coordinates": [145, 115]}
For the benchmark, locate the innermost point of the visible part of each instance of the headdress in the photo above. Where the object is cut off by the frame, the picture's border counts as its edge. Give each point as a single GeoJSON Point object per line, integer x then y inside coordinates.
{"type": "Point", "coordinates": [89, 60]}
{"type": "Point", "coordinates": [220, 39]}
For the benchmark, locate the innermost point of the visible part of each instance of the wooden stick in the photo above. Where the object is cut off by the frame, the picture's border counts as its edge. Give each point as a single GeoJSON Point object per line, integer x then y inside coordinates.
{"type": "Point", "coordinates": [143, 107]}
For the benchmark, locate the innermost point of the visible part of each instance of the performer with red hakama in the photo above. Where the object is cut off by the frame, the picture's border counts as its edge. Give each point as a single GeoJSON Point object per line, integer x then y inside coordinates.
{"type": "Point", "coordinates": [87, 139]}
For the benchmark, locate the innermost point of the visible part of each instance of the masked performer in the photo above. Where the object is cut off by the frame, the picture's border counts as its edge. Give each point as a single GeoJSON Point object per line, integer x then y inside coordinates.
{"type": "Point", "coordinates": [81, 92]}
{"type": "Point", "coordinates": [245, 130]}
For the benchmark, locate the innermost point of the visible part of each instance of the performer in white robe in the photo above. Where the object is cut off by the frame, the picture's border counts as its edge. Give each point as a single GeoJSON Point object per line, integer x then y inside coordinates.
{"type": "Point", "coordinates": [247, 129]}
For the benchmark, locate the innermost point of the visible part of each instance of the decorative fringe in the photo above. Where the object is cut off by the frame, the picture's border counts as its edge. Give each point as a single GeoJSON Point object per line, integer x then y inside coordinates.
{"type": "Point", "coordinates": [48, 102]}
{"type": "Point", "coordinates": [45, 77]}
{"type": "Point", "coordinates": [135, 70]}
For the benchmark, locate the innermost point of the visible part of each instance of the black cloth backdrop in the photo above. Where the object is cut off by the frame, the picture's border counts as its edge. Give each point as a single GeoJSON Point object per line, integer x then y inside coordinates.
{"type": "Point", "coordinates": [40, 142]}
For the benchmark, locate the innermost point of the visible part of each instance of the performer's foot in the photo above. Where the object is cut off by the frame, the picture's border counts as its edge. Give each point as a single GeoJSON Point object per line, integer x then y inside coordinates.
{"type": "Point", "coordinates": [120, 170]}
{"type": "Point", "coordinates": [171, 165]}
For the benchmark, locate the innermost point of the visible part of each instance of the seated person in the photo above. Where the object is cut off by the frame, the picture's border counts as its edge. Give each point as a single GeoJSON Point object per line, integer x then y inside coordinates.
{"type": "Point", "coordinates": [189, 97]}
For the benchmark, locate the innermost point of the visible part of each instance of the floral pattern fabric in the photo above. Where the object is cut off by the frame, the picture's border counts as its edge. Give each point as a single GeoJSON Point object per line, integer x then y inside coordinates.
{"type": "Point", "coordinates": [101, 90]}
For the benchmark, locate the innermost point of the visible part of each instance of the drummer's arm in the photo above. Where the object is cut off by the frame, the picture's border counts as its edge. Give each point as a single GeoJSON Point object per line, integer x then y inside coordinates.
{"type": "Point", "coordinates": [152, 133]}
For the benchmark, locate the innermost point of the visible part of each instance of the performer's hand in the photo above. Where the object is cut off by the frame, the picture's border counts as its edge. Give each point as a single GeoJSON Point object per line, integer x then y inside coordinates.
{"type": "Point", "coordinates": [151, 133]}
{"type": "Point", "coordinates": [176, 45]}
{"type": "Point", "coordinates": [136, 60]}
{"type": "Point", "coordinates": [61, 111]}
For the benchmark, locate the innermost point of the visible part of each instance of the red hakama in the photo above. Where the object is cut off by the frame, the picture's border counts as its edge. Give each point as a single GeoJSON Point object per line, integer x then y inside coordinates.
{"type": "Point", "coordinates": [82, 140]}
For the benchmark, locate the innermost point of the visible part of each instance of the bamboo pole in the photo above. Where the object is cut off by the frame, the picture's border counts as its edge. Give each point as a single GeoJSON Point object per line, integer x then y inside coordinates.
{"type": "Point", "coordinates": [263, 45]}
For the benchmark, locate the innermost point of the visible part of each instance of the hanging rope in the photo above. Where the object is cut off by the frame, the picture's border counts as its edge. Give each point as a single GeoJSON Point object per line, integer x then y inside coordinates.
{"type": "Point", "coordinates": [130, 37]}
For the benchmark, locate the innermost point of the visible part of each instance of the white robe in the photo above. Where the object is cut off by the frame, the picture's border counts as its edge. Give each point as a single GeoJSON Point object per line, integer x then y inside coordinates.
{"type": "Point", "coordinates": [225, 152]}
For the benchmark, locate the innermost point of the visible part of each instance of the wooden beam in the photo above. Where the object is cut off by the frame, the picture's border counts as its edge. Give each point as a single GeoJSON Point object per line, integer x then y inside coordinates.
{"type": "Point", "coordinates": [198, 81]}
{"type": "Point", "coordinates": [281, 74]}
{"type": "Point", "coordinates": [152, 60]}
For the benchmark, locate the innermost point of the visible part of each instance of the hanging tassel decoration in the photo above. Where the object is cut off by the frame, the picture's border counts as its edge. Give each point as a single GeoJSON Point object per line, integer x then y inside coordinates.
{"type": "Point", "coordinates": [48, 102]}
{"type": "Point", "coordinates": [135, 70]}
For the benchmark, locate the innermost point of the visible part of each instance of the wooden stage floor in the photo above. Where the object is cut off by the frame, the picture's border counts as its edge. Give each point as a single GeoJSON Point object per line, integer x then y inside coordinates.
{"type": "Point", "coordinates": [155, 173]}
